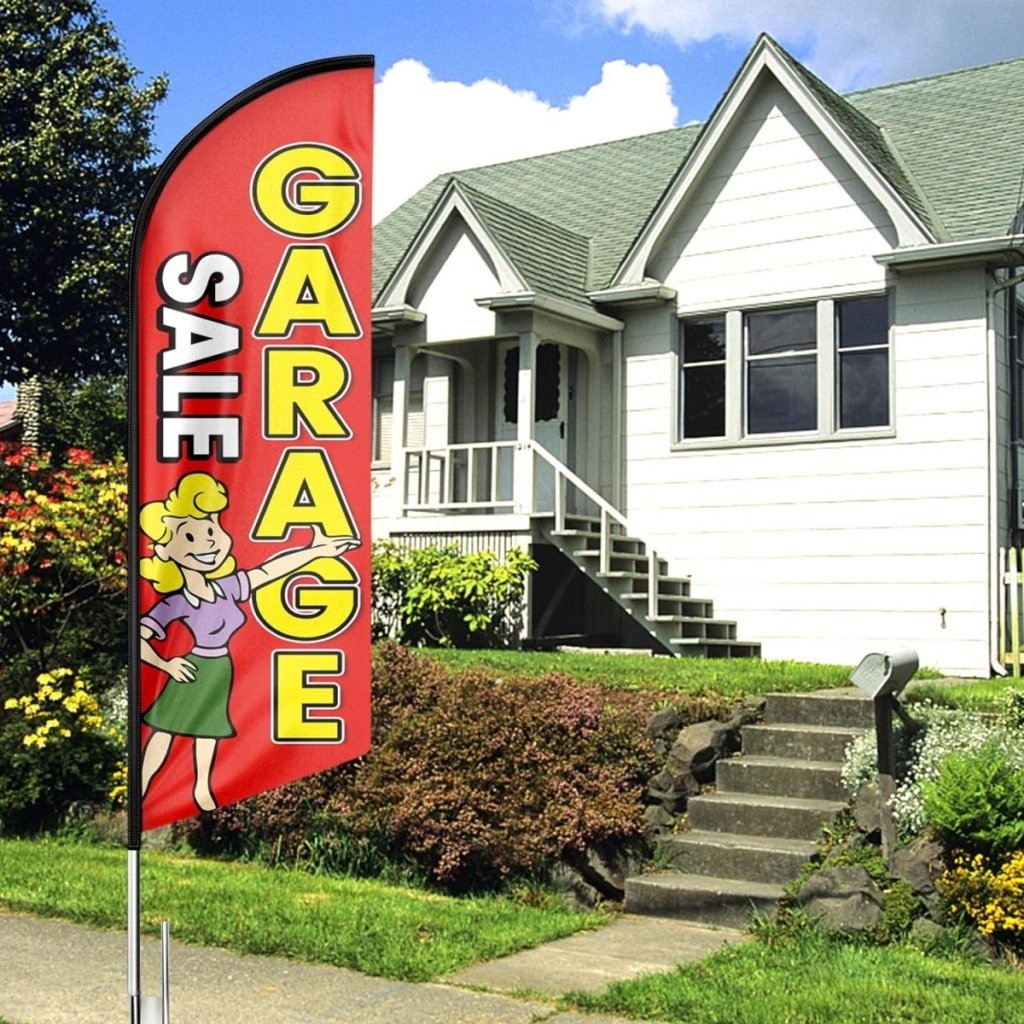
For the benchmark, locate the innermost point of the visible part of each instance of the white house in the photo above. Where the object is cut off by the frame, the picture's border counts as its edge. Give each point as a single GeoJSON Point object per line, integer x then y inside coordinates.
{"type": "Point", "coordinates": [745, 387]}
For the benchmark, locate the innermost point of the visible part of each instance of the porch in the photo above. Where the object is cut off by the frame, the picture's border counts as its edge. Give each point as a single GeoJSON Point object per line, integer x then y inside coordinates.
{"type": "Point", "coordinates": [598, 583]}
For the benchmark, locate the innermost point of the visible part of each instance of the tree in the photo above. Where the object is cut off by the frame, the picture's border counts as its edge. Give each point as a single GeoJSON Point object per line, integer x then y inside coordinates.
{"type": "Point", "coordinates": [75, 162]}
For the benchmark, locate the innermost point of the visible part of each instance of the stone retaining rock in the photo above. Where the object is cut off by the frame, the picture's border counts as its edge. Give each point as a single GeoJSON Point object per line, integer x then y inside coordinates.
{"type": "Point", "coordinates": [843, 898]}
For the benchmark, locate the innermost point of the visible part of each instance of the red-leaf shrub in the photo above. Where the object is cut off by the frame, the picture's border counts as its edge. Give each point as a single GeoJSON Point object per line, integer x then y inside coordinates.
{"type": "Point", "coordinates": [472, 778]}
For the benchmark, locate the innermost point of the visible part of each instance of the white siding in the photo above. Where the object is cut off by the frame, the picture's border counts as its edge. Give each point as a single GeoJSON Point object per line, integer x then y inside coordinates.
{"type": "Point", "coordinates": [777, 216]}
{"type": "Point", "coordinates": [827, 549]}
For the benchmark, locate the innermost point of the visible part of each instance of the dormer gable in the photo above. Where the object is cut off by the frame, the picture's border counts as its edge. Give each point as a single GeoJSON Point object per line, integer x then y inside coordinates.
{"type": "Point", "coordinates": [850, 134]}
{"type": "Point", "coordinates": [452, 224]}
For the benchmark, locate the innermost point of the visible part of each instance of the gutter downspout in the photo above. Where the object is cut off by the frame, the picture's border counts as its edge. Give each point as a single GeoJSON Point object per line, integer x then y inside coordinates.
{"type": "Point", "coordinates": [993, 447]}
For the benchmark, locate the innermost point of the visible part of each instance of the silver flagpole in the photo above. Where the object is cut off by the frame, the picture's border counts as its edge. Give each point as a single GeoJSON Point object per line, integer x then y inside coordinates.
{"type": "Point", "coordinates": [134, 969]}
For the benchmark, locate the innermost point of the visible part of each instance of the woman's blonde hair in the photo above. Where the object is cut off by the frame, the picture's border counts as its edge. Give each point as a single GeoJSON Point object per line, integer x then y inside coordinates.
{"type": "Point", "coordinates": [197, 495]}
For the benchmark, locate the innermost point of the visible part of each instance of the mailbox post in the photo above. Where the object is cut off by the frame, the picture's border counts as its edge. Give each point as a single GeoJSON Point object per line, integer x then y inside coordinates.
{"type": "Point", "coordinates": [882, 677]}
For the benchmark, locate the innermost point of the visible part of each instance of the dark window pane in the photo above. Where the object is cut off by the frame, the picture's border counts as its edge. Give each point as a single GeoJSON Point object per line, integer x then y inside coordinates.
{"type": "Point", "coordinates": [703, 341]}
{"type": "Point", "coordinates": [863, 322]}
{"type": "Point", "coordinates": [781, 330]}
{"type": "Point", "coordinates": [510, 405]}
{"type": "Point", "coordinates": [704, 401]}
{"type": "Point", "coordinates": [547, 386]}
{"type": "Point", "coordinates": [864, 389]}
{"type": "Point", "coordinates": [782, 395]}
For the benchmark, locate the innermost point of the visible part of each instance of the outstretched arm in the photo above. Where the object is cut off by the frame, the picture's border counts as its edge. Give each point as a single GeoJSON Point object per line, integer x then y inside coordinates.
{"type": "Point", "coordinates": [289, 562]}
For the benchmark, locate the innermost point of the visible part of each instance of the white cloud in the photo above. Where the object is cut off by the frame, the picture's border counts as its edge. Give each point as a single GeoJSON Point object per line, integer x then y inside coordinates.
{"type": "Point", "coordinates": [847, 44]}
{"type": "Point", "coordinates": [424, 127]}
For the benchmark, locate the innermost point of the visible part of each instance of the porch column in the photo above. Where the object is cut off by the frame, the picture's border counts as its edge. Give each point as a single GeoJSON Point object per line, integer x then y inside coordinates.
{"type": "Point", "coordinates": [522, 487]}
{"type": "Point", "coordinates": [399, 419]}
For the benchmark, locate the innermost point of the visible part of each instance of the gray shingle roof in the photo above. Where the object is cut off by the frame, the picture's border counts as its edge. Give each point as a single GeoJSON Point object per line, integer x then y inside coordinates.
{"type": "Point", "coordinates": [952, 145]}
{"type": "Point", "coordinates": [552, 259]}
{"type": "Point", "coordinates": [962, 137]}
{"type": "Point", "coordinates": [602, 193]}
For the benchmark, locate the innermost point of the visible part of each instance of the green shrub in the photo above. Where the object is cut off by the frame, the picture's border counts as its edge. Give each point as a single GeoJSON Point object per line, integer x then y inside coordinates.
{"type": "Point", "coordinates": [937, 732]}
{"type": "Point", "coordinates": [442, 597]}
{"type": "Point", "coordinates": [56, 750]}
{"type": "Point", "coordinates": [976, 803]}
{"type": "Point", "coordinates": [471, 780]}
{"type": "Point", "coordinates": [63, 630]}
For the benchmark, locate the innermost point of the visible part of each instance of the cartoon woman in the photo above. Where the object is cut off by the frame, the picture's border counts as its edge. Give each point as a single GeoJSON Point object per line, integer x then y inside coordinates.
{"type": "Point", "coordinates": [193, 566]}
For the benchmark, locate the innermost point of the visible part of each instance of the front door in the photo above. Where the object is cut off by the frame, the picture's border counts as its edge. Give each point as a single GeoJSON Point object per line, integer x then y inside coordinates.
{"type": "Point", "coordinates": [551, 412]}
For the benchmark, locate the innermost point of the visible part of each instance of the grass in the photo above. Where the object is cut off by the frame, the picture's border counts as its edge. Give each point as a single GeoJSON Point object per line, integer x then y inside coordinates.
{"type": "Point", "coordinates": [730, 677]}
{"type": "Point", "coordinates": [973, 695]}
{"type": "Point", "coordinates": [811, 979]}
{"type": "Point", "coordinates": [384, 930]}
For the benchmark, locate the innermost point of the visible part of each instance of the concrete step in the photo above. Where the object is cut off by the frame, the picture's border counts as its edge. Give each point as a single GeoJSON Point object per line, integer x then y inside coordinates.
{"type": "Point", "coordinates": [709, 647]}
{"type": "Point", "coordinates": [709, 900]}
{"type": "Point", "coordinates": [816, 780]}
{"type": "Point", "coordinates": [799, 742]}
{"type": "Point", "coordinates": [847, 707]}
{"type": "Point", "coordinates": [729, 855]}
{"type": "Point", "coordinates": [759, 814]}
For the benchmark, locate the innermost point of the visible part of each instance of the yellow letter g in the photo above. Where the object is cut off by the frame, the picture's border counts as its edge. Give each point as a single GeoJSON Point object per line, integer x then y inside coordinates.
{"type": "Point", "coordinates": [306, 191]}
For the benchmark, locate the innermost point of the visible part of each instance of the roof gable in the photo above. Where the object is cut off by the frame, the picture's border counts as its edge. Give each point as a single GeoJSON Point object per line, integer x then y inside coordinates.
{"type": "Point", "coordinates": [453, 205]}
{"type": "Point", "coordinates": [849, 132]}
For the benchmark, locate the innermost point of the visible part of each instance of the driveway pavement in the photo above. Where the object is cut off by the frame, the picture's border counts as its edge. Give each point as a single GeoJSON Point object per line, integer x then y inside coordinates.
{"type": "Point", "coordinates": [52, 972]}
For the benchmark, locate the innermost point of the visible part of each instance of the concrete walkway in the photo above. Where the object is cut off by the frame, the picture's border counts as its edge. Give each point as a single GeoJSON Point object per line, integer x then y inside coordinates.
{"type": "Point", "coordinates": [52, 972]}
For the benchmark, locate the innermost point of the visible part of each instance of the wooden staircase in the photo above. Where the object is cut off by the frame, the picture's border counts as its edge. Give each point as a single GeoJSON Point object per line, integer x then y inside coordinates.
{"type": "Point", "coordinates": [751, 836]}
{"type": "Point", "coordinates": [633, 576]}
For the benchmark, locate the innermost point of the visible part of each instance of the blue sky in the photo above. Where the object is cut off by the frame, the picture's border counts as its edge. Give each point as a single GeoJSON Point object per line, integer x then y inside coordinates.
{"type": "Point", "coordinates": [497, 79]}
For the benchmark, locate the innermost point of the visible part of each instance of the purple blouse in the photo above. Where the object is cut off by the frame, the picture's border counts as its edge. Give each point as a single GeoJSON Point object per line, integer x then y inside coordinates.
{"type": "Point", "coordinates": [211, 623]}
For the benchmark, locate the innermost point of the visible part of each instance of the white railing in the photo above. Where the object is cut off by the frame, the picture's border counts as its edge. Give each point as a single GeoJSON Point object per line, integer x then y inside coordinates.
{"type": "Point", "coordinates": [489, 476]}
{"type": "Point", "coordinates": [460, 478]}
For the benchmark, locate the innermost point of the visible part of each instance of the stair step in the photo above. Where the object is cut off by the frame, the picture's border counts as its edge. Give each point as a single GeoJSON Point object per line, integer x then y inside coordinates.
{"type": "Point", "coordinates": [681, 604]}
{"type": "Point", "coordinates": [712, 647]}
{"type": "Point", "coordinates": [847, 707]}
{"type": "Point", "coordinates": [776, 817]}
{"type": "Point", "coordinates": [718, 901]}
{"type": "Point", "coordinates": [818, 780]}
{"type": "Point", "coordinates": [635, 564]}
{"type": "Point", "coordinates": [799, 742]}
{"type": "Point", "coordinates": [666, 586]}
{"type": "Point", "coordinates": [618, 541]}
{"type": "Point", "coordinates": [723, 854]}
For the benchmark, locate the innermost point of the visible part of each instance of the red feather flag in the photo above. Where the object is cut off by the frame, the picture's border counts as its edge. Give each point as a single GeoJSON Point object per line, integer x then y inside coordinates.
{"type": "Point", "coordinates": [250, 378]}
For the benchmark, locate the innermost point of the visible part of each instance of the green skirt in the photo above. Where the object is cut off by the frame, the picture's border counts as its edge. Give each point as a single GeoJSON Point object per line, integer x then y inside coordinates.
{"type": "Point", "coordinates": [199, 708]}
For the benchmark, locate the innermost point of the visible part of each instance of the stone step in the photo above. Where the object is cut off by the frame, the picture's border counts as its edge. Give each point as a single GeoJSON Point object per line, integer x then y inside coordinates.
{"type": "Point", "coordinates": [816, 780]}
{"type": "Point", "coordinates": [709, 900]}
{"type": "Point", "coordinates": [799, 742]}
{"type": "Point", "coordinates": [729, 855]}
{"type": "Point", "coordinates": [759, 814]}
{"type": "Point", "coordinates": [847, 707]}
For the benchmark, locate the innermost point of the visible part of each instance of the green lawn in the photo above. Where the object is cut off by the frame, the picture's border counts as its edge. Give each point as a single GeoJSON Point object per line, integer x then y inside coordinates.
{"type": "Point", "coordinates": [970, 695]}
{"type": "Point", "coordinates": [385, 930]}
{"type": "Point", "coordinates": [815, 980]}
{"type": "Point", "coordinates": [413, 935]}
{"type": "Point", "coordinates": [697, 676]}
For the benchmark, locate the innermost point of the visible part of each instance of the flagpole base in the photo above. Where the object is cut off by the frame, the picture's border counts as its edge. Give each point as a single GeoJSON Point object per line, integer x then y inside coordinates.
{"type": "Point", "coordinates": [152, 1010]}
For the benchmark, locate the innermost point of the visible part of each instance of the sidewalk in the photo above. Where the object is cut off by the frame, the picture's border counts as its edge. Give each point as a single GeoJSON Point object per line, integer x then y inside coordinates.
{"type": "Point", "coordinates": [52, 972]}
